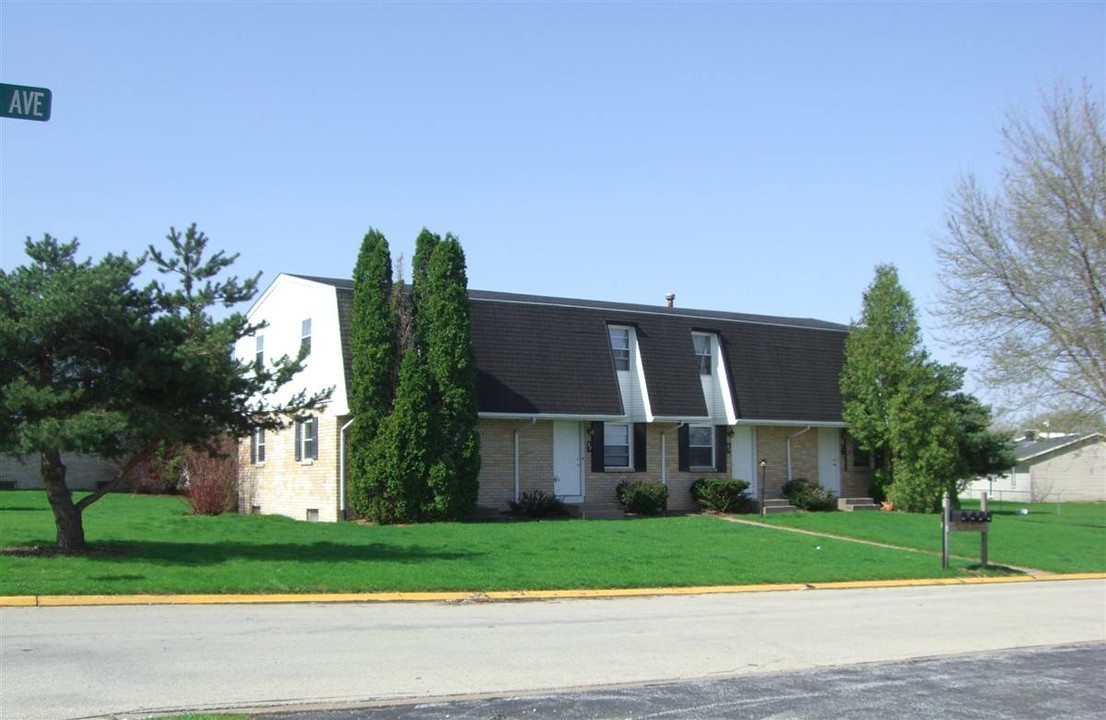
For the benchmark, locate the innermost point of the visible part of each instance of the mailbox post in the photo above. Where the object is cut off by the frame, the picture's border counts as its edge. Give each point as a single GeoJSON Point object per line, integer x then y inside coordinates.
{"type": "Point", "coordinates": [964, 521]}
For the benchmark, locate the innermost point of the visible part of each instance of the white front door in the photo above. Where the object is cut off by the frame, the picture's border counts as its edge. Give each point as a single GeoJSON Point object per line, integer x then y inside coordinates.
{"type": "Point", "coordinates": [829, 459]}
{"type": "Point", "coordinates": [743, 455]}
{"type": "Point", "coordinates": [568, 461]}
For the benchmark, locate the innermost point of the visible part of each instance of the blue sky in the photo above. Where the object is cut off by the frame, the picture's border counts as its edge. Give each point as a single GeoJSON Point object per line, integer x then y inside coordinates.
{"type": "Point", "coordinates": [755, 157]}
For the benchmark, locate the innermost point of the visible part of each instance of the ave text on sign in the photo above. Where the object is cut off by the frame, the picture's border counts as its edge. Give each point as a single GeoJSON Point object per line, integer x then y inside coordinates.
{"type": "Point", "coordinates": [24, 102]}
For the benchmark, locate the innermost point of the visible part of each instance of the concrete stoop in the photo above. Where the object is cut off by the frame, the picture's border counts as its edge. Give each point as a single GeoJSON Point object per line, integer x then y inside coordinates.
{"type": "Point", "coordinates": [853, 504]}
{"type": "Point", "coordinates": [778, 506]}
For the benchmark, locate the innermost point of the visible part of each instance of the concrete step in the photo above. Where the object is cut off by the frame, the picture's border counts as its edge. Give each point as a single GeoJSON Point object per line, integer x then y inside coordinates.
{"type": "Point", "coordinates": [778, 506]}
{"type": "Point", "coordinates": [854, 504]}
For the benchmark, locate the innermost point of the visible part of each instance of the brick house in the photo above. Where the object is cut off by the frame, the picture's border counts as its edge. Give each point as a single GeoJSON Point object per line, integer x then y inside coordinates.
{"type": "Point", "coordinates": [575, 396]}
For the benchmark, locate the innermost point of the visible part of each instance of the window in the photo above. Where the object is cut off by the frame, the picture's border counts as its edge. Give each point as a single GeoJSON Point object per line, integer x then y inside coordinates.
{"type": "Point", "coordinates": [700, 446]}
{"type": "Point", "coordinates": [703, 447]}
{"type": "Point", "coordinates": [620, 346]}
{"type": "Point", "coordinates": [312, 515]}
{"type": "Point", "coordinates": [257, 447]}
{"type": "Point", "coordinates": [305, 337]}
{"type": "Point", "coordinates": [616, 446]}
{"type": "Point", "coordinates": [260, 350]}
{"type": "Point", "coordinates": [307, 446]}
{"type": "Point", "coordinates": [861, 458]}
{"type": "Point", "coordinates": [702, 352]}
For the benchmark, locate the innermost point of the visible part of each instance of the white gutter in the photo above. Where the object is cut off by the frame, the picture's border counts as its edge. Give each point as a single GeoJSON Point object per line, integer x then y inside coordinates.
{"type": "Point", "coordinates": [342, 469]}
{"type": "Point", "coordinates": [518, 429]}
{"type": "Point", "coordinates": [789, 437]}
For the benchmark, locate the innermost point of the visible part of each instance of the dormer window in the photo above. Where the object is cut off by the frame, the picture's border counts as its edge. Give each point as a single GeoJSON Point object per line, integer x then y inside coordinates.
{"type": "Point", "coordinates": [703, 352]}
{"type": "Point", "coordinates": [620, 346]}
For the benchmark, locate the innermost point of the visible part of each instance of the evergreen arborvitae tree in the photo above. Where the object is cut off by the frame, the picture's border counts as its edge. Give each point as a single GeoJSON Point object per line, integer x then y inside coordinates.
{"type": "Point", "coordinates": [399, 466]}
{"type": "Point", "coordinates": [424, 250]}
{"type": "Point", "coordinates": [373, 349]}
{"type": "Point", "coordinates": [443, 315]}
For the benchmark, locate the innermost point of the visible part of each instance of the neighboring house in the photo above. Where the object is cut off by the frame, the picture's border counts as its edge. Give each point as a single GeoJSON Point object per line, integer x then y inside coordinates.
{"type": "Point", "coordinates": [575, 396]}
{"type": "Point", "coordinates": [82, 472]}
{"type": "Point", "coordinates": [1051, 469]}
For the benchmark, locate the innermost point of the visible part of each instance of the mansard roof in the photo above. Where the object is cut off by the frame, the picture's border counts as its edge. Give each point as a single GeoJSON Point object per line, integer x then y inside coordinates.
{"type": "Point", "coordinates": [539, 355]}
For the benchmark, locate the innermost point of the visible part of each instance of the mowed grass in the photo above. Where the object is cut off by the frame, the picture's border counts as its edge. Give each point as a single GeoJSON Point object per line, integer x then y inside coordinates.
{"type": "Point", "coordinates": [153, 545]}
{"type": "Point", "coordinates": [1070, 537]}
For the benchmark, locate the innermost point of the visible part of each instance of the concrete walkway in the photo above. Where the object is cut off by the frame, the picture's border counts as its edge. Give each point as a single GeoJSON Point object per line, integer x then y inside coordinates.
{"type": "Point", "coordinates": [741, 521]}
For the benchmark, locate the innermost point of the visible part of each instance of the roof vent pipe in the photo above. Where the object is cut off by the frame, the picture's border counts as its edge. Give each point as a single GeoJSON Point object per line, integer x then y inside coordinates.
{"type": "Point", "coordinates": [670, 298]}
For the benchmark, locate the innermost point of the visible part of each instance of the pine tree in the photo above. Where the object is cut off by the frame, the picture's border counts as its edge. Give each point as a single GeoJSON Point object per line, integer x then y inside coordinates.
{"type": "Point", "coordinates": [89, 361]}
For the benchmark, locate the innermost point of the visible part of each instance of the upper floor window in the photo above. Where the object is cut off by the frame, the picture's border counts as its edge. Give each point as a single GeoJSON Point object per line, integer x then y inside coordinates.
{"type": "Point", "coordinates": [307, 443]}
{"type": "Point", "coordinates": [620, 346]}
{"type": "Point", "coordinates": [703, 352]}
{"type": "Point", "coordinates": [305, 337]}
{"type": "Point", "coordinates": [700, 446]}
{"type": "Point", "coordinates": [616, 445]}
{"type": "Point", "coordinates": [260, 350]}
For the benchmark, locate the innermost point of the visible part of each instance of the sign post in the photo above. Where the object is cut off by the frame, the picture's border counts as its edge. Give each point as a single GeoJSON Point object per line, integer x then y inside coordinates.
{"type": "Point", "coordinates": [24, 102]}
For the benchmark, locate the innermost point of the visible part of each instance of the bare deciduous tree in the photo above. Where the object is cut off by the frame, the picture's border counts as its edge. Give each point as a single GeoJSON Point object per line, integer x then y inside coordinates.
{"type": "Point", "coordinates": [1023, 268]}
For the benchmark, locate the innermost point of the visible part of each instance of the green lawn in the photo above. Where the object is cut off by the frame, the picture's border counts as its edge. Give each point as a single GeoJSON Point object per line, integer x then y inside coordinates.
{"type": "Point", "coordinates": [152, 545]}
{"type": "Point", "coordinates": [1070, 537]}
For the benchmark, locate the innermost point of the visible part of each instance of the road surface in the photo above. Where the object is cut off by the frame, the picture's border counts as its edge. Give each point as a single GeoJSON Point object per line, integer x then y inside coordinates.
{"type": "Point", "coordinates": [77, 662]}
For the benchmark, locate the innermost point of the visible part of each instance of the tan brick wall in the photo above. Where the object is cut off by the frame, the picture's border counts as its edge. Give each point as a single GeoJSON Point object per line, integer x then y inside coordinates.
{"type": "Point", "coordinates": [283, 486]}
{"type": "Point", "coordinates": [497, 460]}
{"type": "Point", "coordinates": [772, 446]}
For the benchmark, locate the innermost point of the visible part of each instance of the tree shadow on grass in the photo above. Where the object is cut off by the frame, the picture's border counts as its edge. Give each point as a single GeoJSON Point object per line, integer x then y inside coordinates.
{"type": "Point", "coordinates": [202, 554]}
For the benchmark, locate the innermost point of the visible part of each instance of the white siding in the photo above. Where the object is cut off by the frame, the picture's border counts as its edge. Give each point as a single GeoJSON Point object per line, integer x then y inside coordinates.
{"type": "Point", "coordinates": [1076, 475]}
{"type": "Point", "coordinates": [284, 306]}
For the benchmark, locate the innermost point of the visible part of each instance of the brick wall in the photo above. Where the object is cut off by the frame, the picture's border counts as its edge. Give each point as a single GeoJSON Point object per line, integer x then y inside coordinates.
{"type": "Point", "coordinates": [283, 486]}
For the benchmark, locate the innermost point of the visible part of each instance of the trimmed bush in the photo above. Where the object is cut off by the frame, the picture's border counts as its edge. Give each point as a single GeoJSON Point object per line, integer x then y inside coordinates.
{"type": "Point", "coordinates": [808, 495]}
{"type": "Point", "coordinates": [538, 505]}
{"type": "Point", "coordinates": [722, 495]}
{"type": "Point", "coordinates": [642, 498]}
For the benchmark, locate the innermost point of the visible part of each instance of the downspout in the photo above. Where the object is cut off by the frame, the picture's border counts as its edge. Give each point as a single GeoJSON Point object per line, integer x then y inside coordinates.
{"type": "Point", "coordinates": [789, 437]}
{"type": "Point", "coordinates": [664, 452]}
{"type": "Point", "coordinates": [342, 469]}
{"type": "Point", "coordinates": [518, 429]}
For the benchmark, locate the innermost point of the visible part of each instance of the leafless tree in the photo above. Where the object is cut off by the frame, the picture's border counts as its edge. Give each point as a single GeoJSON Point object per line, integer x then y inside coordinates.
{"type": "Point", "coordinates": [1023, 268]}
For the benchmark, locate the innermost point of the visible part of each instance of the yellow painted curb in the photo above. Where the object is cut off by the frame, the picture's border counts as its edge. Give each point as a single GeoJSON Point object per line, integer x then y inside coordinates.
{"type": "Point", "coordinates": [509, 595]}
{"type": "Point", "coordinates": [18, 600]}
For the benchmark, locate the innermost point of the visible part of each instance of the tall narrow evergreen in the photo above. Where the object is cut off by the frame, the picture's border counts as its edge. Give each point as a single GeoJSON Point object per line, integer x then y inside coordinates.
{"type": "Point", "coordinates": [443, 314]}
{"type": "Point", "coordinates": [373, 350]}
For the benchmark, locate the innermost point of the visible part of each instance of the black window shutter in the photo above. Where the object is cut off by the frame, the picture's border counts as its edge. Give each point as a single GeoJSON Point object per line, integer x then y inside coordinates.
{"type": "Point", "coordinates": [253, 447]}
{"type": "Point", "coordinates": [639, 447]}
{"type": "Point", "coordinates": [299, 440]}
{"type": "Point", "coordinates": [721, 440]}
{"type": "Point", "coordinates": [597, 447]}
{"type": "Point", "coordinates": [682, 443]}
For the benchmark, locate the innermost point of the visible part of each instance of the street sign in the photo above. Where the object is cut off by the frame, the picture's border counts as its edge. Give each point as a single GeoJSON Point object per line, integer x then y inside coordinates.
{"type": "Point", "coordinates": [25, 103]}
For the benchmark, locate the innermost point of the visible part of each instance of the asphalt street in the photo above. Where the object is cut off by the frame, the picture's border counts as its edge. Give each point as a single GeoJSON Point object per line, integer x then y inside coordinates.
{"type": "Point", "coordinates": [78, 662]}
{"type": "Point", "coordinates": [1066, 682]}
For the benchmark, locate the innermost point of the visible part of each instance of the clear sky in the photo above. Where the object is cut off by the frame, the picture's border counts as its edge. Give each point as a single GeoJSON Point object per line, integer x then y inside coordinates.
{"type": "Point", "coordinates": [753, 157]}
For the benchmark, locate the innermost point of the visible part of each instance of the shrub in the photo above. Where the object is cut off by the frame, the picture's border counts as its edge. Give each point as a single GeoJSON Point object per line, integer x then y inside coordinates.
{"type": "Point", "coordinates": [642, 498]}
{"type": "Point", "coordinates": [722, 495]}
{"type": "Point", "coordinates": [212, 485]}
{"type": "Point", "coordinates": [808, 495]}
{"type": "Point", "coordinates": [538, 505]}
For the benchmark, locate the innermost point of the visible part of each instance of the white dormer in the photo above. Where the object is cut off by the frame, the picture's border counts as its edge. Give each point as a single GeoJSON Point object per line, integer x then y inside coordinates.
{"type": "Point", "coordinates": [714, 377]}
{"type": "Point", "coordinates": [630, 372]}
